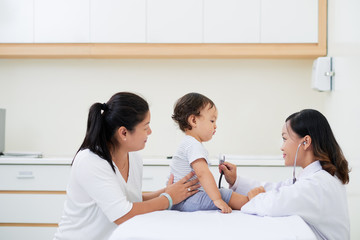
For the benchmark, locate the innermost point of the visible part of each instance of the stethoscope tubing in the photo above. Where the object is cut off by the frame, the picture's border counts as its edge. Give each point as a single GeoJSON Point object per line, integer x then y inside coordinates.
{"type": "Point", "coordinates": [294, 178]}
{"type": "Point", "coordinates": [221, 174]}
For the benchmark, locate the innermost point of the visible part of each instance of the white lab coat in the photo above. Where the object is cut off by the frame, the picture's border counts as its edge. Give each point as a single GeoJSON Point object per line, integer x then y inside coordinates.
{"type": "Point", "coordinates": [317, 197]}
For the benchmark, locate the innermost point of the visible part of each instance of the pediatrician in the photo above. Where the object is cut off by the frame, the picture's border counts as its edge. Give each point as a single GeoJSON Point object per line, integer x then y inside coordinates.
{"type": "Point", "coordinates": [104, 188]}
{"type": "Point", "coordinates": [318, 194]}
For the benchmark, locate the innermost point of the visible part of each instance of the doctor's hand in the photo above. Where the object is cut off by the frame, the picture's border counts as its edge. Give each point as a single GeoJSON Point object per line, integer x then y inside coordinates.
{"type": "Point", "coordinates": [229, 171]}
{"type": "Point", "coordinates": [255, 191]}
{"type": "Point", "coordinates": [183, 188]}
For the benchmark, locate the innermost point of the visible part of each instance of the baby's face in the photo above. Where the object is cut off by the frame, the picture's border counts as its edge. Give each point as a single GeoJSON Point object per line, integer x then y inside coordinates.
{"type": "Point", "coordinates": [206, 123]}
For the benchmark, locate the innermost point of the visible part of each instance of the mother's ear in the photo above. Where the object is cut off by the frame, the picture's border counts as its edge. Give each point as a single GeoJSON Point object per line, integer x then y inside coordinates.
{"type": "Point", "coordinates": [122, 133]}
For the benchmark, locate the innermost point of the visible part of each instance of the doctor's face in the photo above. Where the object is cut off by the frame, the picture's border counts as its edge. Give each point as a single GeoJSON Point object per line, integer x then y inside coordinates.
{"type": "Point", "coordinates": [290, 144]}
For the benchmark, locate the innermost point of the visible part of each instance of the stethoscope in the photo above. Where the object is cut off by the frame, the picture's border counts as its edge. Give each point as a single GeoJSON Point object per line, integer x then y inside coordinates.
{"type": "Point", "coordinates": [294, 178]}
{"type": "Point", "coordinates": [221, 161]}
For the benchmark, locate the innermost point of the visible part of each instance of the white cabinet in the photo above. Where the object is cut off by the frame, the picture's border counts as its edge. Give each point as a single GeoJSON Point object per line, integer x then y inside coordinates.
{"type": "Point", "coordinates": [118, 21]}
{"type": "Point", "coordinates": [159, 21]}
{"type": "Point", "coordinates": [155, 177]}
{"type": "Point", "coordinates": [61, 21]}
{"type": "Point", "coordinates": [32, 191]}
{"type": "Point", "coordinates": [32, 195]}
{"type": "Point", "coordinates": [231, 21]}
{"type": "Point", "coordinates": [16, 21]}
{"type": "Point", "coordinates": [289, 21]}
{"type": "Point", "coordinates": [31, 208]}
{"type": "Point", "coordinates": [20, 233]}
{"type": "Point", "coordinates": [33, 177]}
{"type": "Point", "coordinates": [175, 21]}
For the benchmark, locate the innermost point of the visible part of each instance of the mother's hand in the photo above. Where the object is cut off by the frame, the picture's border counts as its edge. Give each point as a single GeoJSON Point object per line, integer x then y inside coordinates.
{"type": "Point", "coordinates": [229, 171]}
{"type": "Point", "coordinates": [182, 189]}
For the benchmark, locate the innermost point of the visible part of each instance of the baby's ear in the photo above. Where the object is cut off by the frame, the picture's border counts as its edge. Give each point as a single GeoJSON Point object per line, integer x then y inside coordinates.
{"type": "Point", "coordinates": [192, 120]}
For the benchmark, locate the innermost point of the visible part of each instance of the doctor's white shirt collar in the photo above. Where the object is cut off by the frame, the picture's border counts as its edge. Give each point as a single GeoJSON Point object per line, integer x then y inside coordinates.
{"type": "Point", "coordinates": [311, 169]}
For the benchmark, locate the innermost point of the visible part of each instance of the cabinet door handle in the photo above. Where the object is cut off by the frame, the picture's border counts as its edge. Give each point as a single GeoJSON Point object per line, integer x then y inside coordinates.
{"type": "Point", "coordinates": [25, 175]}
{"type": "Point", "coordinates": [148, 178]}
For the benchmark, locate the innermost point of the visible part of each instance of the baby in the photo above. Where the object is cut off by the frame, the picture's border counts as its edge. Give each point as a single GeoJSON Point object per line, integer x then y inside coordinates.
{"type": "Point", "coordinates": [196, 116]}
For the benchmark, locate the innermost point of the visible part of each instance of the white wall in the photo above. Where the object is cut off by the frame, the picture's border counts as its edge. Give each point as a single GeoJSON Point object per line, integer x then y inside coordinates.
{"type": "Point", "coordinates": [343, 104]}
{"type": "Point", "coordinates": [47, 101]}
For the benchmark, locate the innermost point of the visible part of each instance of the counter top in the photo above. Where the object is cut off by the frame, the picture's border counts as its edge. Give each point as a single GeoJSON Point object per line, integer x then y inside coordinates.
{"type": "Point", "coordinates": [34, 161]}
{"type": "Point", "coordinates": [272, 161]}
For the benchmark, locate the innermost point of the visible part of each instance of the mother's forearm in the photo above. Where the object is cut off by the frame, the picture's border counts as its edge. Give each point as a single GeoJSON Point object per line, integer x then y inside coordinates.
{"type": "Point", "coordinates": [150, 195]}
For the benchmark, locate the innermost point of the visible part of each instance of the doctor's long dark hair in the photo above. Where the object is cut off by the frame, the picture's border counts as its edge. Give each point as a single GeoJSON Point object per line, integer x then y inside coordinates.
{"type": "Point", "coordinates": [104, 119]}
{"type": "Point", "coordinates": [326, 149]}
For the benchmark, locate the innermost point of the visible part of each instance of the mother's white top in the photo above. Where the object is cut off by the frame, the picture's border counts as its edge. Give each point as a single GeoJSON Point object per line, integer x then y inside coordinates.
{"type": "Point", "coordinates": [317, 197]}
{"type": "Point", "coordinates": [96, 197]}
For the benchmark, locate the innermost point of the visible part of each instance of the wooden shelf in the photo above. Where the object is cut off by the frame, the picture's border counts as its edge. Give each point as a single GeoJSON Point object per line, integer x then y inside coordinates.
{"type": "Point", "coordinates": [144, 50]}
{"type": "Point", "coordinates": [151, 50]}
{"type": "Point", "coordinates": [29, 225]}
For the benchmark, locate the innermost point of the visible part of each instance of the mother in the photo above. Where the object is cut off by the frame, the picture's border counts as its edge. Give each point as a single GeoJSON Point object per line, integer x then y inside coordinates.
{"type": "Point", "coordinates": [105, 182]}
{"type": "Point", "coordinates": [318, 195]}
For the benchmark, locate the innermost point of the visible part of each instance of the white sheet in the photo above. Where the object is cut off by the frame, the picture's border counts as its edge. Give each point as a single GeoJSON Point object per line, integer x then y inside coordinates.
{"type": "Point", "coordinates": [211, 225]}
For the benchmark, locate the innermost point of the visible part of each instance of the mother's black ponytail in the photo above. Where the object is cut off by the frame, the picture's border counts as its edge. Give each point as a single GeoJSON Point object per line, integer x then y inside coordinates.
{"type": "Point", "coordinates": [326, 149]}
{"type": "Point", "coordinates": [104, 119]}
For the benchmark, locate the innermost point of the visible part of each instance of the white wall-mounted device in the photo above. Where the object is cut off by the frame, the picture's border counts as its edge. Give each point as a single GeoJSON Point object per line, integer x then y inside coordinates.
{"type": "Point", "coordinates": [322, 74]}
{"type": "Point", "coordinates": [2, 131]}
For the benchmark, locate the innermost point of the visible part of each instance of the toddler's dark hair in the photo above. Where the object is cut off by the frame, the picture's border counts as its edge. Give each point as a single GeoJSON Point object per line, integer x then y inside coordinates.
{"type": "Point", "coordinates": [189, 104]}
